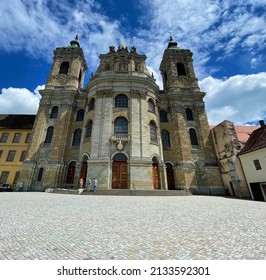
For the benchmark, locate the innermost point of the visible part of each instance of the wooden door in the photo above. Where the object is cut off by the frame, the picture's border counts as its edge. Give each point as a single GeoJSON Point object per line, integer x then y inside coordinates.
{"type": "Point", "coordinates": [70, 175]}
{"type": "Point", "coordinates": [83, 173]}
{"type": "Point", "coordinates": [119, 175]}
{"type": "Point", "coordinates": [170, 177]}
{"type": "Point", "coordinates": [155, 176]}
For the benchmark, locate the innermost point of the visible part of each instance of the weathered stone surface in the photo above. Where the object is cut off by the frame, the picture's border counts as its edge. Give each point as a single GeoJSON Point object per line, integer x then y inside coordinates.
{"type": "Point", "coordinates": [125, 125]}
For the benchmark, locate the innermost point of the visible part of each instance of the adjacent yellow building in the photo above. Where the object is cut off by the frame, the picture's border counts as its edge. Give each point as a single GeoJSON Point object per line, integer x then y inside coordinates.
{"type": "Point", "coordinates": [15, 134]}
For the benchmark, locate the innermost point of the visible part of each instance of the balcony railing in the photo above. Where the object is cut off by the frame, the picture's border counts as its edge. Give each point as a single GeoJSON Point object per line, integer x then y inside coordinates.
{"type": "Point", "coordinates": [120, 137]}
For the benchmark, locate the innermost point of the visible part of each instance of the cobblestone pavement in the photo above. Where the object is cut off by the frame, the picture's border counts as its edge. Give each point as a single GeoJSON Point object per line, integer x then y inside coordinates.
{"type": "Point", "coordinates": [56, 227]}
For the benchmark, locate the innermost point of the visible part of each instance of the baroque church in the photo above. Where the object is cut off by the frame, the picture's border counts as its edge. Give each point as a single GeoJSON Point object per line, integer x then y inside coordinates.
{"type": "Point", "coordinates": [121, 128]}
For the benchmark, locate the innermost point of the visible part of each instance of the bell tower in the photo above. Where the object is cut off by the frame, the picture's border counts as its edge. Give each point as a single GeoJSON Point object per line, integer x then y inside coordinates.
{"type": "Point", "coordinates": [69, 67]}
{"type": "Point", "coordinates": [177, 69]}
{"type": "Point", "coordinates": [187, 145]}
{"type": "Point", "coordinates": [62, 98]}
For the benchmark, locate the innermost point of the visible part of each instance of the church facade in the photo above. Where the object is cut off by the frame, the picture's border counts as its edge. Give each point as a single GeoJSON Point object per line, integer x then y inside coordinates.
{"type": "Point", "coordinates": [121, 128]}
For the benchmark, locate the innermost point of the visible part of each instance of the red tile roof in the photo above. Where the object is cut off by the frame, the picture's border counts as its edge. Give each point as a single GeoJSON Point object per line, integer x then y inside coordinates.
{"type": "Point", "coordinates": [244, 132]}
{"type": "Point", "coordinates": [256, 141]}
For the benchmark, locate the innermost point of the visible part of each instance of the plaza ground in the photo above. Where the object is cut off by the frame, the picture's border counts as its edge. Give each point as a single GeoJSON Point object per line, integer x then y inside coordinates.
{"type": "Point", "coordinates": [48, 226]}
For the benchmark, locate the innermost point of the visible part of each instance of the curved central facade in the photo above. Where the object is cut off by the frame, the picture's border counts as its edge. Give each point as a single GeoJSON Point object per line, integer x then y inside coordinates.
{"type": "Point", "coordinates": [124, 140]}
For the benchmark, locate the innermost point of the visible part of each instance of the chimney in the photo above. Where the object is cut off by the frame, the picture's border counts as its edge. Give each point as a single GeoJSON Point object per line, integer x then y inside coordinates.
{"type": "Point", "coordinates": [262, 124]}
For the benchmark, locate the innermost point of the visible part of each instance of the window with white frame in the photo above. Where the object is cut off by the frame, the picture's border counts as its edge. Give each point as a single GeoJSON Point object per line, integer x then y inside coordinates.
{"type": "Point", "coordinates": [257, 164]}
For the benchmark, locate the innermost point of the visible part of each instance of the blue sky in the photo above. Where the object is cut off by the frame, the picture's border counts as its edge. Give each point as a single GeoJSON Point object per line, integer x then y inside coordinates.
{"type": "Point", "coordinates": [227, 39]}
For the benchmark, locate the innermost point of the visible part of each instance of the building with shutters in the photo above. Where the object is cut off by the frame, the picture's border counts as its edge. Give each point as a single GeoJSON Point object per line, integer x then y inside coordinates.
{"type": "Point", "coordinates": [121, 128]}
{"type": "Point", "coordinates": [15, 134]}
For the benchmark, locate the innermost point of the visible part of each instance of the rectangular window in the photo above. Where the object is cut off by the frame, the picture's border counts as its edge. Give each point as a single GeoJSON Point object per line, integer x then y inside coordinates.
{"type": "Point", "coordinates": [23, 155]}
{"type": "Point", "coordinates": [16, 137]}
{"type": "Point", "coordinates": [1, 152]}
{"type": "Point", "coordinates": [39, 178]}
{"type": "Point", "coordinates": [4, 137]}
{"type": "Point", "coordinates": [28, 138]}
{"type": "Point", "coordinates": [11, 155]}
{"type": "Point", "coordinates": [16, 178]}
{"type": "Point", "coordinates": [4, 176]}
{"type": "Point", "coordinates": [257, 164]}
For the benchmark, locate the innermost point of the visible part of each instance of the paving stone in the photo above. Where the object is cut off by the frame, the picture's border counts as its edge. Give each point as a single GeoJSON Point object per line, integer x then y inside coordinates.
{"type": "Point", "coordinates": [56, 226]}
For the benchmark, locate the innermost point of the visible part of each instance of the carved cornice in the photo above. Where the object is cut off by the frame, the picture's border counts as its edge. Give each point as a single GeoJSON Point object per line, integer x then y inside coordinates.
{"type": "Point", "coordinates": [100, 93]}
{"type": "Point", "coordinates": [199, 106]}
{"type": "Point", "coordinates": [68, 103]}
{"type": "Point", "coordinates": [177, 107]}
{"type": "Point", "coordinates": [138, 93]}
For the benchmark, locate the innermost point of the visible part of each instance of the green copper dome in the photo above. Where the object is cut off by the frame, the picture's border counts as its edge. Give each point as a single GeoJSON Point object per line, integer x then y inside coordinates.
{"type": "Point", "coordinates": [172, 44]}
{"type": "Point", "coordinates": [75, 43]}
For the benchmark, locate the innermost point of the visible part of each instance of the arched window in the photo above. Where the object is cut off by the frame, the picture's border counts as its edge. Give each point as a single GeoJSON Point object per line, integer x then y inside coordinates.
{"type": "Point", "coordinates": [91, 104]}
{"type": "Point", "coordinates": [193, 137]}
{"type": "Point", "coordinates": [121, 100]}
{"type": "Point", "coordinates": [40, 174]}
{"type": "Point", "coordinates": [88, 129]}
{"type": "Point", "coordinates": [163, 116]}
{"type": "Point", "coordinates": [189, 114]}
{"type": "Point", "coordinates": [49, 134]}
{"type": "Point", "coordinates": [164, 74]}
{"type": "Point", "coordinates": [166, 139]}
{"type": "Point", "coordinates": [151, 107]}
{"type": "Point", "coordinates": [54, 112]}
{"type": "Point", "coordinates": [71, 172]}
{"type": "Point", "coordinates": [121, 126]}
{"type": "Point", "coordinates": [64, 68]}
{"type": "Point", "coordinates": [77, 137]}
{"type": "Point", "coordinates": [80, 115]}
{"type": "Point", "coordinates": [153, 132]}
{"type": "Point", "coordinates": [181, 71]}
{"type": "Point", "coordinates": [120, 157]}
{"type": "Point", "coordinates": [80, 77]}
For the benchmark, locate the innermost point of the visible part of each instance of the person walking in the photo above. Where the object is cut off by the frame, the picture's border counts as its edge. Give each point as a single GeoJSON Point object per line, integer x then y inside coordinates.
{"type": "Point", "coordinates": [95, 184]}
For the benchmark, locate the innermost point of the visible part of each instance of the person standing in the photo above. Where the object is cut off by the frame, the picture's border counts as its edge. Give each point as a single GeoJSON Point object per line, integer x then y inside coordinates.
{"type": "Point", "coordinates": [81, 183]}
{"type": "Point", "coordinates": [89, 184]}
{"type": "Point", "coordinates": [95, 184]}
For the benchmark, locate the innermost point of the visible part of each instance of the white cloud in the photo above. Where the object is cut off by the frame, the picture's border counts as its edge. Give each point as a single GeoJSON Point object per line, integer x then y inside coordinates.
{"type": "Point", "coordinates": [208, 28]}
{"type": "Point", "coordinates": [240, 98]}
{"type": "Point", "coordinates": [35, 28]}
{"type": "Point", "coordinates": [203, 26]}
{"type": "Point", "coordinates": [19, 100]}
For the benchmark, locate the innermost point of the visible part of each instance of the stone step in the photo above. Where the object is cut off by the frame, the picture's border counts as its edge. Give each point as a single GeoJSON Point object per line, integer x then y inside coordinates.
{"type": "Point", "coordinates": [123, 192]}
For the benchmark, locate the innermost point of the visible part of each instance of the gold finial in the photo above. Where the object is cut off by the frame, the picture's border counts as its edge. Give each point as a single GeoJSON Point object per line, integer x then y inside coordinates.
{"type": "Point", "coordinates": [123, 45]}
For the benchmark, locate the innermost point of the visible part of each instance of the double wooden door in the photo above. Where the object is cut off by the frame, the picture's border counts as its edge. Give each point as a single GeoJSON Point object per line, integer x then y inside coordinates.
{"type": "Point", "coordinates": [119, 175]}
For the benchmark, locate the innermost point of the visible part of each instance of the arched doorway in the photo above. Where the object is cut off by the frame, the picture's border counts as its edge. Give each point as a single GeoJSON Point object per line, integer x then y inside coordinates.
{"type": "Point", "coordinates": [170, 176]}
{"type": "Point", "coordinates": [119, 172]}
{"type": "Point", "coordinates": [83, 171]}
{"type": "Point", "coordinates": [71, 173]}
{"type": "Point", "coordinates": [155, 174]}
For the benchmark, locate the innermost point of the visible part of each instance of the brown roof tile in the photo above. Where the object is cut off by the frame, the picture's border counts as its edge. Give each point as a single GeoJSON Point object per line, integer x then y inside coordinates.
{"type": "Point", "coordinates": [17, 121]}
{"type": "Point", "coordinates": [256, 141]}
